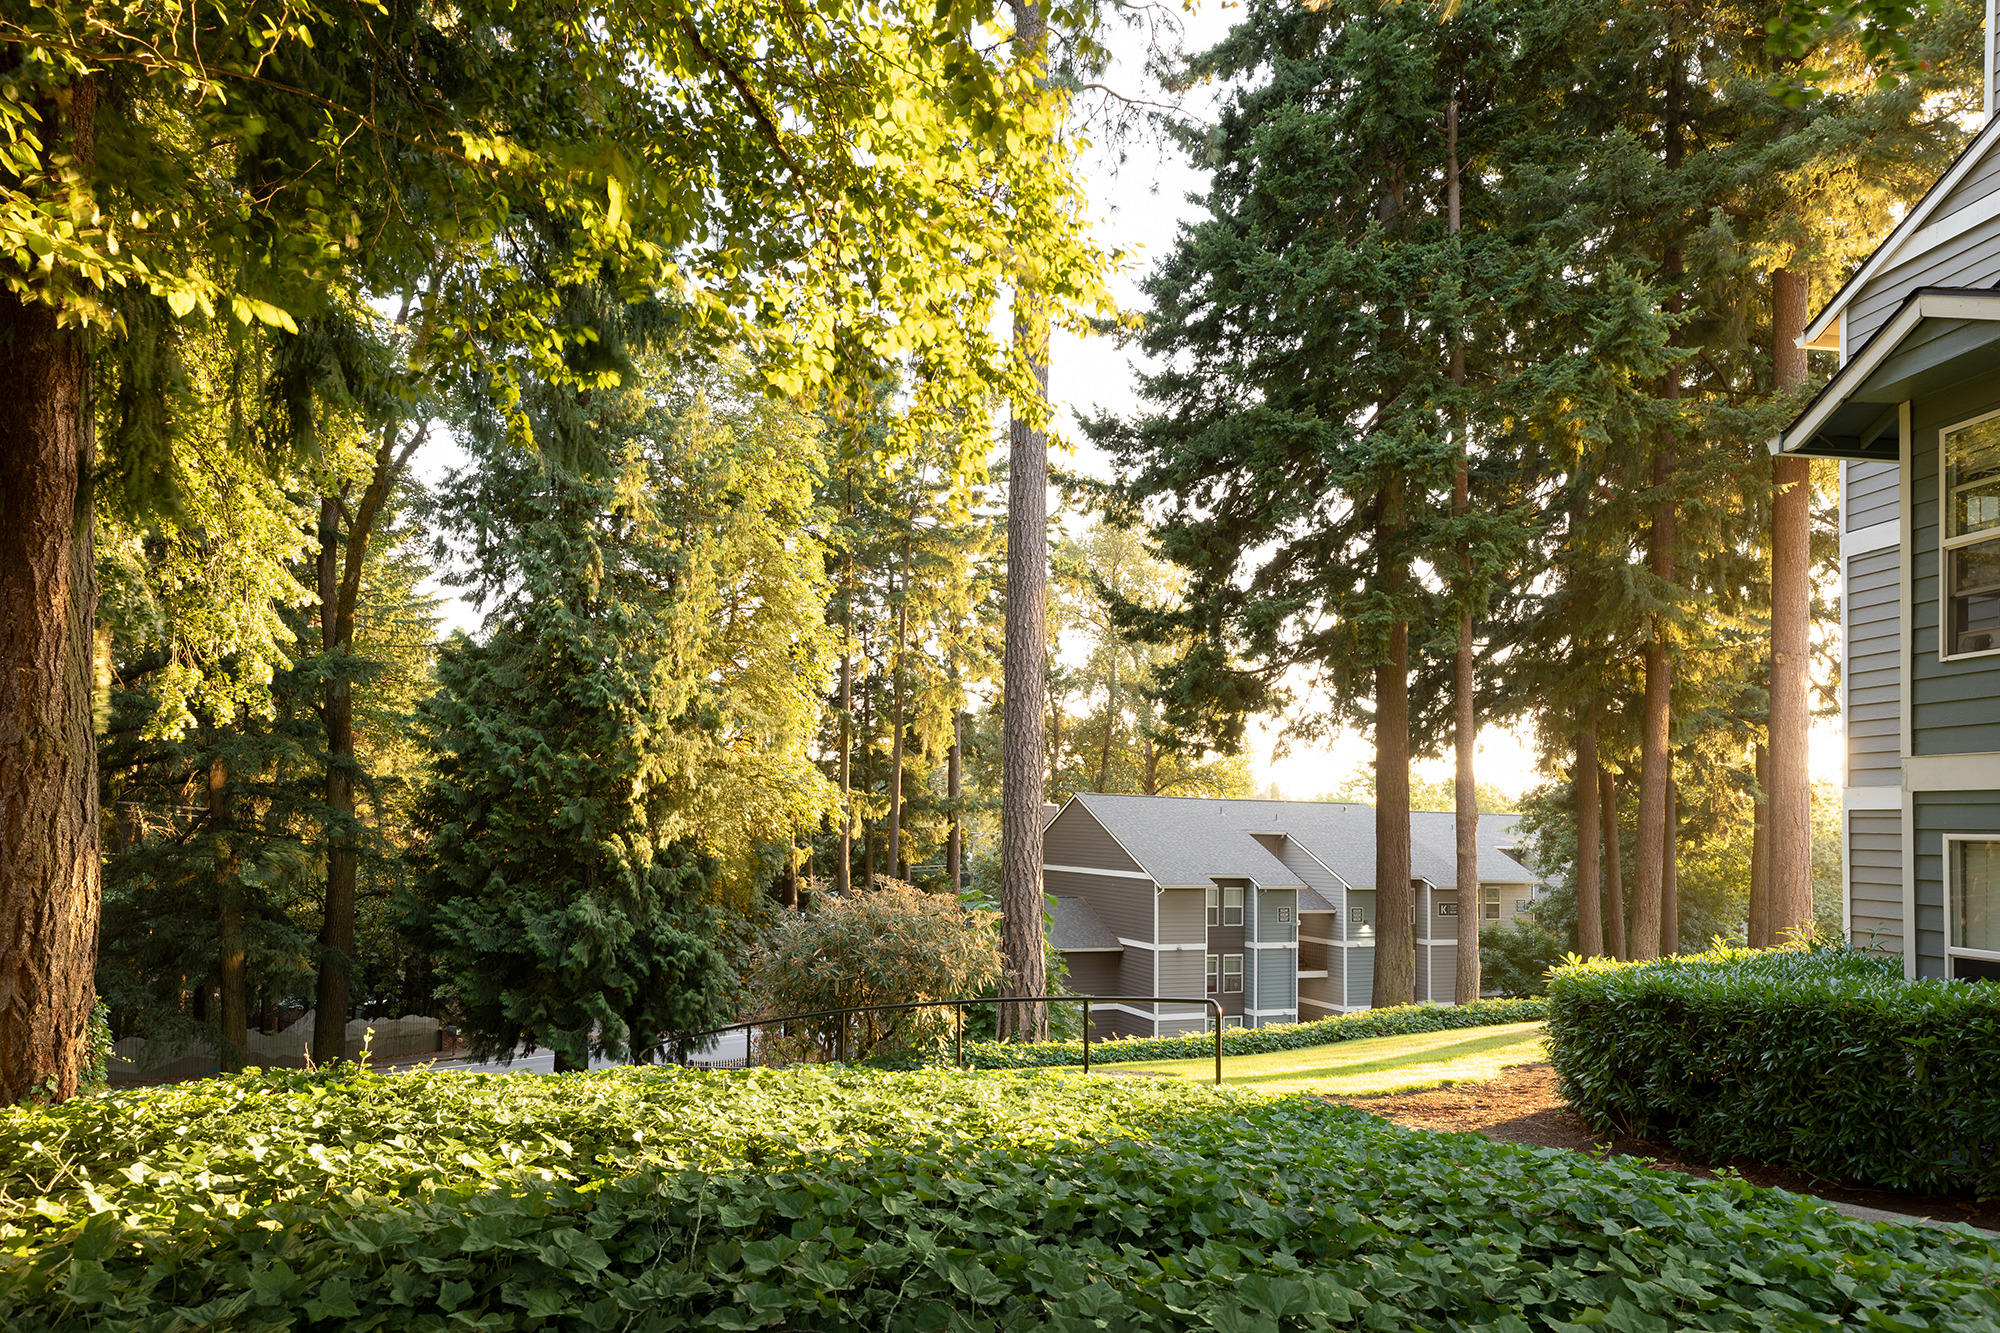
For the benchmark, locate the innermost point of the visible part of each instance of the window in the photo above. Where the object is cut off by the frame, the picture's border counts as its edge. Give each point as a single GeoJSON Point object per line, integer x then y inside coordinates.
{"type": "Point", "coordinates": [1232, 974]}
{"type": "Point", "coordinates": [1489, 901]}
{"type": "Point", "coordinates": [1213, 964]}
{"type": "Point", "coordinates": [1231, 1021]}
{"type": "Point", "coordinates": [1214, 905]}
{"type": "Point", "coordinates": [1972, 881]}
{"type": "Point", "coordinates": [1232, 905]}
{"type": "Point", "coordinates": [1970, 559]}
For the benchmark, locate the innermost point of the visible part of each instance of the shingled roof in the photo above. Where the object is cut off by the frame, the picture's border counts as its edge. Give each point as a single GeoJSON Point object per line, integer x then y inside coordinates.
{"type": "Point", "coordinates": [1189, 841]}
{"type": "Point", "coordinates": [1075, 927]}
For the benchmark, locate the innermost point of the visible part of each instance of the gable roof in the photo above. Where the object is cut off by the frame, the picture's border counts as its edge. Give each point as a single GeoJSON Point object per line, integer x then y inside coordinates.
{"type": "Point", "coordinates": [1075, 927]}
{"type": "Point", "coordinates": [1921, 228]}
{"type": "Point", "coordinates": [1190, 841]}
{"type": "Point", "coordinates": [1939, 336]}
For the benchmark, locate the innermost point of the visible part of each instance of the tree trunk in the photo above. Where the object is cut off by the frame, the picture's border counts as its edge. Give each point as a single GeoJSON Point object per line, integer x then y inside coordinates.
{"type": "Point", "coordinates": [1614, 868]}
{"type": "Point", "coordinates": [1758, 928]}
{"type": "Point", "coordinates": [1589, 825]}
{"type": "Point", "coordinates": [954, 847]}
{"type": "Point", "coordinates": [233, 1016]}
{"type": "Point", "coordinates": [896, 746]}
{"type": "Point", "coordinates": [49, 854]}
{"type": "Point", "coordinates": [1649, 849]}
{"type": "Point", "coordinates": [843, 870]}
{"type": "Point", "coordinates": [336, 935]}
{"type": "Point", "coordinates": [1670, 871]}
{"type": "Point", "coordinates": [1395, 941]}
{"type": "Point", "coordinates": [1791, 901]}
{"type": "Point", "coordinates": [1471, 902]}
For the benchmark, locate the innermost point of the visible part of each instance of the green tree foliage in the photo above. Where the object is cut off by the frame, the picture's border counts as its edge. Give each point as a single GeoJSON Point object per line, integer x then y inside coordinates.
{"type": "Point", "coordinates": [634, 725]}
{"type": "Point", "coordinates": [887, 944]}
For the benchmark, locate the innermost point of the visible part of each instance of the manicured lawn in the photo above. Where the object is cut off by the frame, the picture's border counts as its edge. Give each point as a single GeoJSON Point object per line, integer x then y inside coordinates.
{"type": "Point", "coordinates": [1368, 1068]}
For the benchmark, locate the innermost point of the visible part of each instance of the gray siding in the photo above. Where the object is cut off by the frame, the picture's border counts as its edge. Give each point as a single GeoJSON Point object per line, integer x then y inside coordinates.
{"type": "Point", "coordinates": [1314, 957]}
{"type": "Point", "coordinates": [1874, 494]}
{"type": "Point", "coordinates": [1360, 978]}
{"type": "Point", "coordinates": [1271, 930]}
{"type": "Point", "coordinates": [1938, 813]}
{"type": "Point", "coordinates": [1875, 880]}
{"type": "Point", "coordinates": [1873, 669]}
{"type": "Point", "coordinates": [1443, 974]}
{"type": "Point", "coordinates": [1180, 973]}
{"type": "Point", "coordinates": [1183, 916]}
{"type": "Point", "coordinates": [1277, 985]}
{"type": "Point", "coordinates": [1971, 260]}
{"type": "Point", "coordinates": [1309, 870]}
{"type": "Point", "coordinates": [1954, 706]}
{"type": "Point", "coordinates": [1361, 903]}
{"type": "Point", "coordinates": [1125, 906]}
{"type": "Point", "coordinates": [1075, 838]}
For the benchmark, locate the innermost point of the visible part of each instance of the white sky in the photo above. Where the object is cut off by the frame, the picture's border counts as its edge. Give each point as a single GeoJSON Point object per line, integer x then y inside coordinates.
{"type": "Point", "coordinates": [1140, 206]}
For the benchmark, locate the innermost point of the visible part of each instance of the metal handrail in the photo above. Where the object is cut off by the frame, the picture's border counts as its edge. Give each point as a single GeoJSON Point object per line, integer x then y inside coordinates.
{"type": "Point", "coordinates": [694, 1040]}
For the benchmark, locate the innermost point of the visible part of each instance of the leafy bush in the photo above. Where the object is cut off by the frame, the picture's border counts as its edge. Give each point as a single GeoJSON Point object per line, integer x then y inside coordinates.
{"type": "Point", "coordinates": [1397, 1022]}
{"type": "Point", "coordinates": [894, 945]}
{"type": "Point", "coordinates": [1820, 1057]}
{"type": "Point", "coordinates": [1516, 959]}
{"type": "Point", "coordinates": [661, 1199]}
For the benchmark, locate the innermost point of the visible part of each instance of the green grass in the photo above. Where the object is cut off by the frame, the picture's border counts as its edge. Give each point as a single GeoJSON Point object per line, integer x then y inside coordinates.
{"type": "Point", "coordinates": [1375, 1067]}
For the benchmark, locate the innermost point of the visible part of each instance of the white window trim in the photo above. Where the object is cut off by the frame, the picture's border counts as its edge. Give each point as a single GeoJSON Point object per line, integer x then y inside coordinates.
{"type": "Point", "coordinates": [1951, 950]}
{"type": "Point", "coordinates": [1948, 543]}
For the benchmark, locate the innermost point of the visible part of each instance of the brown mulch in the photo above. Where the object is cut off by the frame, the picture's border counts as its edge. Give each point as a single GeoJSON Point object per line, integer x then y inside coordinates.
{"type": "Point", "coordinates": [1521, 1106]}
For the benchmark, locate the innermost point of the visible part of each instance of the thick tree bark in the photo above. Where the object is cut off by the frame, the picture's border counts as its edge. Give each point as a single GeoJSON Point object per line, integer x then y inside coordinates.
{"type": "Point", "coordinates": [1614, 867]}
{"type": "Point", "coordinates": [1757, 930]}
{"type": "Point", "coordinates": [1670, 871]}
{"type": "Point", "coordinates": [1395, 940]}
{"type": "Point", "coordinates": [1024, 666]}
{"type": "Point", "coordinates": [49, 853]}
{"type": "Point", "coordinates": [1791, 626]}
{"type": "Point", "coordinates": [233, 1009]}
{"type": "Point", "coordinates": [1589, 880]}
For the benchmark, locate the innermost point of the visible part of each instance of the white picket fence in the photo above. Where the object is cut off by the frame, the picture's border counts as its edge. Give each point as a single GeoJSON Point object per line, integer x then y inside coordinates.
{"type": "Point", "coordinates": [137, 1059]}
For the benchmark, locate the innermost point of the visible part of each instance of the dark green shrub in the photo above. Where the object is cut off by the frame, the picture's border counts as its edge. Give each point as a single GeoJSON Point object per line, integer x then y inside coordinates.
{"type": "Point", "coordinates": [1516, 959]}
{"type": "Point", "coordinates": [1397, 1022]}
{"type": "Point", "coordinates": [1820, 1058]}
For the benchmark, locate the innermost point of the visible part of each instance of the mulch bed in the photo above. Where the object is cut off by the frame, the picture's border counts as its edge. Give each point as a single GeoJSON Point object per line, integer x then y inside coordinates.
{"type": "Point", "coordinates": [1521, 1106]}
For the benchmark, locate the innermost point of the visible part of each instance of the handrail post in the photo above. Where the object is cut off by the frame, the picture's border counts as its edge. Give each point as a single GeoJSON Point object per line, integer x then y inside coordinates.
{"type": "Point", "coordinates": [1218, 1041]}
{"type": "Point", "coordinates": [958, 1056]}
{"type": "Point", "coordinates": [1086, 1034]}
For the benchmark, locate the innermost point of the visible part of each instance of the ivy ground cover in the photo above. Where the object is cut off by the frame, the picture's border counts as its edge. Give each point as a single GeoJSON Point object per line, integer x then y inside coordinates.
{"type": "Point", "coordinates": [842, 1200]}
{"type": "Point", "coordinates": [1375, 1067]}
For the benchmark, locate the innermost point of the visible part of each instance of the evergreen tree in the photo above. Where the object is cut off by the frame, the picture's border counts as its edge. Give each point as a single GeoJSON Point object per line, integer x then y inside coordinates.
{"type": "Point", "coordinates": [635, 722]}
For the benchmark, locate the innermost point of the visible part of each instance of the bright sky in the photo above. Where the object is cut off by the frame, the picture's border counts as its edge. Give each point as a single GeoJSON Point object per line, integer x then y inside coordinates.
{"type": "Point", "coordinates": [1140, 205]}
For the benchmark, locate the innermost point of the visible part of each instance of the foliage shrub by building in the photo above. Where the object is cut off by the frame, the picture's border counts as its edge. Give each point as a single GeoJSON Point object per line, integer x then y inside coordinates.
{"type": "Point", "coordinates": [1396, 1022]}
{"type": "Point", "coordinates": [1820, 1058]}
{"type": "Point", "coordinates": [890, 945]}
{"type": "Point", "coordinates": [667, 1199]}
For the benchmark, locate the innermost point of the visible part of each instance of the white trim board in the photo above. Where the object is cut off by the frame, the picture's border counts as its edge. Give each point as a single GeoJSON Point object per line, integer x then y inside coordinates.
{"type": "Point", "coordinates": [1952, 772]}
{"type": "Point", "coordinates": [1094, 870]}
{"type": "Point", "coordinates": [1931, 305]}
{"type": "Point", "coordinates": [1874, 537]}
{"type": "Point", "coordinates": [1872, 798]}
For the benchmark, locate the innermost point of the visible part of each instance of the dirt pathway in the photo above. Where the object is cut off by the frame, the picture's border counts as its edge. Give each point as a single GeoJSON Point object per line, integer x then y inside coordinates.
{"type": "Point", "coordinates": [1521, 1106]}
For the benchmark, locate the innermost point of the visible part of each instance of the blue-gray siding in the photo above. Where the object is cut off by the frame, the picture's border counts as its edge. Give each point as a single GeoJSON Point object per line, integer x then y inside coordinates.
{"type": "Point", "coordinates": [1277, 986]}
{"type": "Point", "coordinates": [1875, 880]}
{"type": "Point", "coordinates": [1938, 813]}
{"type": "Point", "coordinates": [1954, 706]}
{"type": "Point", "coordinates": [1360, 978]}
{"type": "Point", "coordinates": [1970, 260]}
{"type": "Point", "coordinates": [1874, 494]}
{"type": "Point", "coordinates": [1873, 669]}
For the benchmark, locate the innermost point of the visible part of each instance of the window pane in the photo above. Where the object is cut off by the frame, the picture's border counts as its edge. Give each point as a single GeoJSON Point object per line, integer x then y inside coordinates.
{"type": "Point", "coordinates": [1972, 477]}
{"type": "Point", "coordinates": [1975, 597]}
{"type": "Point", "coordinates": [1232, 906]}
{"type": "Point", "coordinates": [1214, 894]}
{"type": "Point", "coordinates": [1211, 973]}
{"type": "Point", "coordinates": [1232, 973]}
{"type": "Point", "coordinates": [1975, 895]}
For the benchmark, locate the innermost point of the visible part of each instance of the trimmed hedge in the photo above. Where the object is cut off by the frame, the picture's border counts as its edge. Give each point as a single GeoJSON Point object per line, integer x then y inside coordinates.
{"type": "Point", "coordinates": [1818, 1058]}
{"type": "Point", "coordinates": [1397, 1022]}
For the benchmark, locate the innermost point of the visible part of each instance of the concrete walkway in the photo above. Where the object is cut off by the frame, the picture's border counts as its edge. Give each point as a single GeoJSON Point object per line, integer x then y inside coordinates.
{"type": "Point", "coordinates": [728, 1049]}
{"type": "Point", "coordinates": [1860, 1213]}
